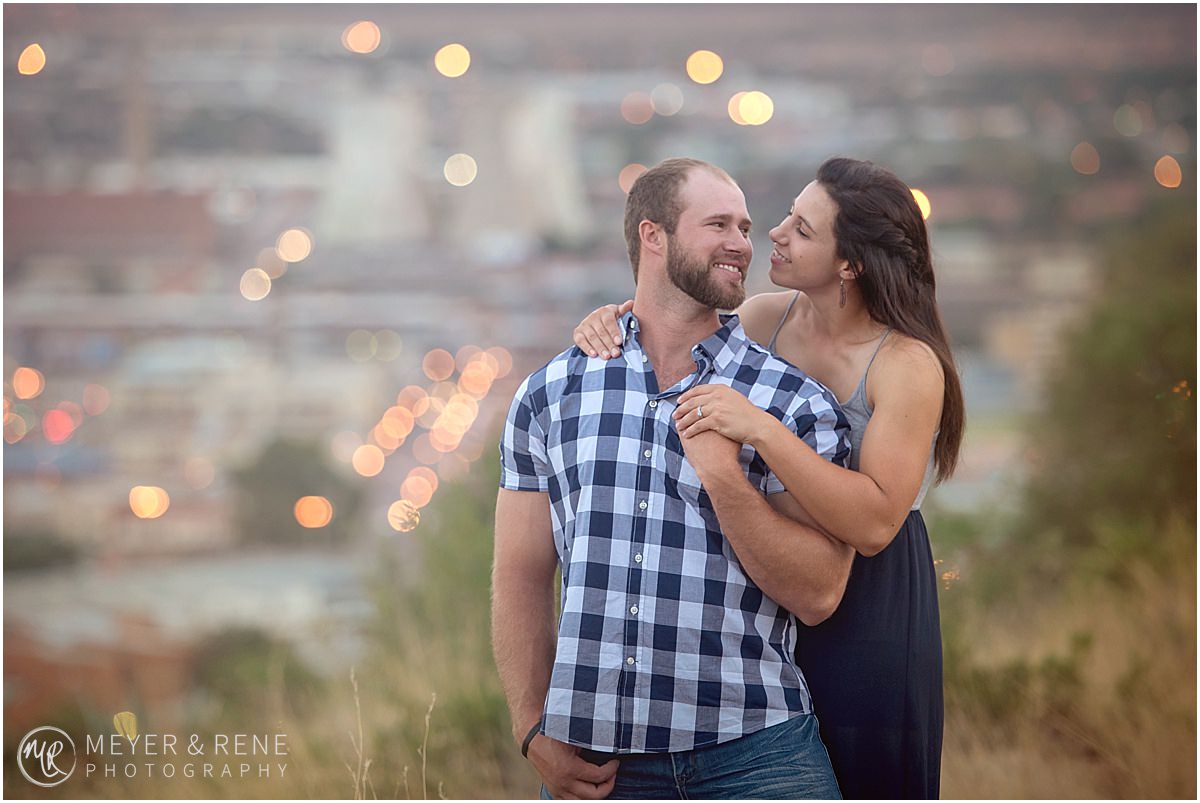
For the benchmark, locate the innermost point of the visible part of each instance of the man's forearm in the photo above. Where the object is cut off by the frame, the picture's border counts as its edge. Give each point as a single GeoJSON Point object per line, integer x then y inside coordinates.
{"type": "Point", "coordinates": [801, 568]}
{"type": "Point", "coordinates": [523, 643]}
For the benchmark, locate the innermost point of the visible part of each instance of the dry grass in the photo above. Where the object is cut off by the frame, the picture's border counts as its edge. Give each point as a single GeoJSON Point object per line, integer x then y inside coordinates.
{"type": "Point", "coordinates": [1121, 723]}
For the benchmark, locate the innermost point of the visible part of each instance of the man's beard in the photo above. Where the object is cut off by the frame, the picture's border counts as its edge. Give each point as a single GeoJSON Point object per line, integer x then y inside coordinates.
{"type": "Point", "coordinates": [695, 278]}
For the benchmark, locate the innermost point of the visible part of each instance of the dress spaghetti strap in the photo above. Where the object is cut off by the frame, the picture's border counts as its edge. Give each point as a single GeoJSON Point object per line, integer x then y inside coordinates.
{"type": "Point", "coordinates": [782, 321]}
{"type": "Point", "coordinates": [875, 354]}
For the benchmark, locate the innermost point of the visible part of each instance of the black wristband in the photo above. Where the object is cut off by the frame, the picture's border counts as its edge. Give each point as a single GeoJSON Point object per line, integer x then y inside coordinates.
{"type": "Point", "coordinates": [537, 726]}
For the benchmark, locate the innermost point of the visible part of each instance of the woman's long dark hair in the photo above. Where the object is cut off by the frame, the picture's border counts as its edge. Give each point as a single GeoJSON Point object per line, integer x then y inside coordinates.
{"type": "Point", "coordinates": [881, 233]}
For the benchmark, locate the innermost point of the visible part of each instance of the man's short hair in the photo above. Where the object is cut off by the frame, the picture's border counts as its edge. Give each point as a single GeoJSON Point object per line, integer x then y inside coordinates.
{"type": "Point", "coordinates": [655, 197]}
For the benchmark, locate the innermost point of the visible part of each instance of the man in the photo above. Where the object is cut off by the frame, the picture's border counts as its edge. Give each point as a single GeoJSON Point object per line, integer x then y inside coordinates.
{"type": "Point", "coordinates": [674, 651]}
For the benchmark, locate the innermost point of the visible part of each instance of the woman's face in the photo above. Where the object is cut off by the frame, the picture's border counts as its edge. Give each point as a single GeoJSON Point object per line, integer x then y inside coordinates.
{"type": "Point", "coordinates": [805, 253]}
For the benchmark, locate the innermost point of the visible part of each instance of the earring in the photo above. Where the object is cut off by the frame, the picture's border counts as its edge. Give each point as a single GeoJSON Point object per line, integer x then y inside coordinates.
{"type": "Point", "coordinates": [842, 296]}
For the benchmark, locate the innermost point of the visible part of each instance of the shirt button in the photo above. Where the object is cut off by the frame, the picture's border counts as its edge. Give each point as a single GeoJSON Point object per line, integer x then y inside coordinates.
{"type": "Point", "coordinates": [645, 358]}
{"type": "Point", "coordinates": [653, 404]}
{"type": "Point", "coordinates": [646, 453]}
{"type": "Point", "coordinates": [629, 660]}
{"type": "Point", "coordinates": [633, 610]}
{"type": "Point", "coordinates": [642, 505]}
{"type": "Point", "coordinates": [638, 557]}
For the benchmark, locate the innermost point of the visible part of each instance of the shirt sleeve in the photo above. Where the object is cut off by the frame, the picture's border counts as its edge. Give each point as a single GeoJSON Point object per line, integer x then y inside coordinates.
{"type": "Point", "coordinates": [817, 420]}
{"type": "Point", "coordinates": [523, 462]}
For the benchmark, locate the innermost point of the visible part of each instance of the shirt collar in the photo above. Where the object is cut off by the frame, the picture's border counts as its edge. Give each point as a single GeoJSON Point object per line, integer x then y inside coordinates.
{"type": "Point", "coordinates": [726, 345]}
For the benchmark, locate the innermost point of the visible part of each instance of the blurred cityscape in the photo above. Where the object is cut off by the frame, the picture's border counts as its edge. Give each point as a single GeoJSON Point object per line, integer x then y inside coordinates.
{"type": "Point", "coordinates": [226, 226]}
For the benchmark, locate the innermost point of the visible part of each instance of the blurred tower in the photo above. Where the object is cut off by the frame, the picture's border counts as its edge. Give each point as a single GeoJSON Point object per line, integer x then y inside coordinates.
{"type": "Point", "coordinates": [378, 147]}
{"type": "Point", "coordinates": [543, 152]}
{"type": "Point", "coordinates": [530, 185]}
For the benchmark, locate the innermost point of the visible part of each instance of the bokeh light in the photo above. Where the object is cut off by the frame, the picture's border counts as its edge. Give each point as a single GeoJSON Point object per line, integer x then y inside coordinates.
{"type": "Point", "coordinates": [922, 202]}
{"type": "Point", "coordinates": [199, 473]}
{"type": "Point", "coordinates": [491, 360]}
{"type": "Point", "coordinates": [313, 511]}
{"type": "Point", "coordinates": [460, 413]}
{"type": "Point", "coordinates": [734, 107]}
{"type": "Point", "coordinates": [32, 60]}
{"type": "Point", "coordinates": [382, 437]}
{"type": "Point", "coordinates": [452, 60]}
{"type": "Point", "coordinates": [367, 460]}
{"type": "Point", "coordinates": [388, 345]}
{"type": "Point", "coordinates": [1168, 173]}
{"type": "Point", "coordinates": [465, 356]}
{"type": "Point", "coordinates": [413, 398]}
{"type": "Point", "coordinates": [443, 440]}
{"type": "Point", "coordinates": [28, 383]}
{"type": "Point", "coordinates": [637, 108]}
{"type": "Point", "coordinates": [361, 37]}
{"type": "Point", "coordinates": [417, 488]}
{"type": "Point", "coordinates": [360, 345]}
{"type": "Point", "coordinates": [428, 475]}
{"type": "Point", "coordinates": [148, 501]}
{"type": "Point", "coordinates": [398, 422]}
{"type": "Point", "coordinates": [629, 174]}
{"type": "Point", "coordinates": [476, 380]}
{"type": "Point", "coordinates": [704, 66]}
{"type": "Point", "coordinates": [667, 99]}
{"type": "Point", "coordinates": [1085, 159]}
{"type": "Point", "coordinates": [462, 405]}
{"type": "Point", "coordinates": [1127, 121]}
{"type": "Point", "coordinates": [57, 426]}
{"type": "Point", "coordinates": [15, 428]}
{"type": "Point", "coordinates": [438, 365]}
{"type": "Point", "coordinates": [294, 245]}
{"type": "Point", "coordinates": [95, 399]}
{"type": "Point", "coordinates": [503, 360]}
{"type": "Point", "coordinates": [255, 284]}
{"type": "Point", "coordinates": [404, 516]}
{"type": "Point", "coordinates": [460, 169]}
{"type": "Point", "coordinates": [755, 108]}
{"type": "Point", "coordinates": [443, 391]}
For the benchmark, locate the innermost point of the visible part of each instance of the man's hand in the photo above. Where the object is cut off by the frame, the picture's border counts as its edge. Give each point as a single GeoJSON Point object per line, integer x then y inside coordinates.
{"type": "Point", "coordinates": [712, 455]}
{"type": "Point", "coordinates": [566, 775]}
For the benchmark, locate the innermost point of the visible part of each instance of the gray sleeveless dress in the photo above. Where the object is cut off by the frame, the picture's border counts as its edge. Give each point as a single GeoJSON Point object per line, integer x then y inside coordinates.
{"type": "Point", "coordinates": [875, 667]}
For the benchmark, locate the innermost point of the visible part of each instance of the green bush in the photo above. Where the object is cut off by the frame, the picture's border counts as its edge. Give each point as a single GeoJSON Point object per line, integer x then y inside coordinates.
{"type": "Point", "coordinates": [245, 671]}
{"type": "Point", "coordinates": [37, 549]}
{"type": "Point", "coordinates": [267, 490]}
{"type": "Point", "coordinates": [1115, 442]}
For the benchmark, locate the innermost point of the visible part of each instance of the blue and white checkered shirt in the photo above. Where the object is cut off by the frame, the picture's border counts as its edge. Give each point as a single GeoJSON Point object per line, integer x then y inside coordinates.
{"type": "Point", "coordinates": [664, 642]}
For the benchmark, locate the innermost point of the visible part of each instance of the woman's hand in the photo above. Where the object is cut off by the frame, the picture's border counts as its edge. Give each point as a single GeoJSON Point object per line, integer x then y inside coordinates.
{"type": "Point", "coordinates": [598, 335]}
{"type": "Point", "coordinates": [722, 409]}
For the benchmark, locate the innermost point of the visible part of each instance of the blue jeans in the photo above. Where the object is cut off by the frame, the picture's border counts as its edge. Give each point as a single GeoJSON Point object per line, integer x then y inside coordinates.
{"type": "Point", "coordinates": [785, 761]}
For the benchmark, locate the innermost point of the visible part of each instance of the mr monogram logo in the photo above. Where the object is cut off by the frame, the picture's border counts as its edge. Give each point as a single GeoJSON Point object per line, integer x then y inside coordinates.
{"type": "Point", "coordinates": [46, 756]}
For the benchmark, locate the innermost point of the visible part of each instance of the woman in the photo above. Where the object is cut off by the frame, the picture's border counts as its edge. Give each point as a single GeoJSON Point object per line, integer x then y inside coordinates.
{"type": "Point", "coordinates": [861, 318]}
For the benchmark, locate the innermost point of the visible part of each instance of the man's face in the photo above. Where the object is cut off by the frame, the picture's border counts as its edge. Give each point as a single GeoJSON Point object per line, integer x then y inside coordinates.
{"type": "Point", "coordinates": [710, 252]}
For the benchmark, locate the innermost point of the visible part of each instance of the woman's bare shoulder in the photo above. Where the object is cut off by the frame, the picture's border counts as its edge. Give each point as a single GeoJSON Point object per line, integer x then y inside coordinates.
{"type": "Point", "coordinates": [909, 364]}
{"type": "Point", "coordinates": [910, 352]}
{"type": "Point", "coordinates": [761, 313]}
